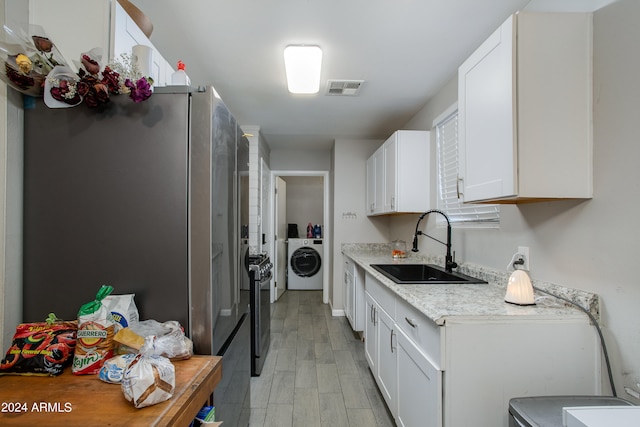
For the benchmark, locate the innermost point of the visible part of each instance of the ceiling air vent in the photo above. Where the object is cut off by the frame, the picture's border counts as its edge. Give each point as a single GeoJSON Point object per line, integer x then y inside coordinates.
{"type": "Point", "coordinates": [344, 87]}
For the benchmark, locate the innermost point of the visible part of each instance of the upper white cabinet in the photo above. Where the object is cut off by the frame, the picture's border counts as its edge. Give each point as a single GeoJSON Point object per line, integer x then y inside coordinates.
{"type": "Point", "coordinates": [525, 111]}
{"type": "Point", "coordinates": [375, 183]}
{"type": "Point", "coordinates": [104, 24]}
{"type": "Point", "coordinates": [398, 174]}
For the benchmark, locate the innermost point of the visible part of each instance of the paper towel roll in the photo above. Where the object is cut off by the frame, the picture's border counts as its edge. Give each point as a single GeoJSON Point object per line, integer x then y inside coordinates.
{"type": "Point", "coordinates": [142, 56]}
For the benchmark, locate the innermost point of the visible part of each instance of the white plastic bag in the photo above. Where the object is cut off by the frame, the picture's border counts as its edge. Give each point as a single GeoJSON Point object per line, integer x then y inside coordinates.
{"type": "Point", "coordinates": [149, 378]}
{"type": "Point", "coordinates": [171, 341]}
{"type": "Point", "coordinates": [123, 310]}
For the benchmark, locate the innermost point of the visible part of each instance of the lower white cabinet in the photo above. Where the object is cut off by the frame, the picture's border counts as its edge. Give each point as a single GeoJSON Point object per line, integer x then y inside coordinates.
{"type": "Point", "coordinates": [381, 350]}
{"type": "Point", "coordinates": [464, 372]}
{"type": "Point", "coordinates": [386, 374]}
{"type": "Point", "coordinates": [370, 333]}
{"type": "Point", "coordinates": [420, 393]}
{"type": "Point", "coordinates": [353, 294]}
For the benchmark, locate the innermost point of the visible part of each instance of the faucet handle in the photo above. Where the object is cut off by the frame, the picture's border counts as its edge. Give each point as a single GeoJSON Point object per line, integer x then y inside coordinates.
{"type": "Point", "coordinates": [451, 263]}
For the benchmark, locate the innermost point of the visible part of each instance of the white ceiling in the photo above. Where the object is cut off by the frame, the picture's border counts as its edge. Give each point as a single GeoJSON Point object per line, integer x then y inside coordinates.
{"type": "Point", "coordinates": [405, 50]}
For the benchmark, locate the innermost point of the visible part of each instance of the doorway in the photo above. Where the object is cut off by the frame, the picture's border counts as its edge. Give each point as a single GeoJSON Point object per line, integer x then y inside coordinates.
{"type": "Point", "coordinates": [303, 208]}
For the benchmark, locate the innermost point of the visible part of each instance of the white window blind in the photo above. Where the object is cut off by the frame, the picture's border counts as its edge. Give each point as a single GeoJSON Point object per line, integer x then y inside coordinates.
{"type": "Point", "coordinates": [460, 214]}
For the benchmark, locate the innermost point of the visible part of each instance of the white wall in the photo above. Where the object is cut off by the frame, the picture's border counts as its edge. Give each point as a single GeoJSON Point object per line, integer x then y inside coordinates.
{"type": "Point", "coordinates": [590, 244]}
{"type": "Point", "coordinates": [305, 201]}
{"type": "Point", "coordinates": [350, 221]}
{"type": "Point", "coordinates": [300, 160]}
{"type": "Point", "coordinates": [10, 195]}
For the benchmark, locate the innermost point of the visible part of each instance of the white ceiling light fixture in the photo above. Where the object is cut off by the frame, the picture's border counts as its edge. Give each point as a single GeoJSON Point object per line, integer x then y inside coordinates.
{"type": "Point", "coordinates": [303, 64]}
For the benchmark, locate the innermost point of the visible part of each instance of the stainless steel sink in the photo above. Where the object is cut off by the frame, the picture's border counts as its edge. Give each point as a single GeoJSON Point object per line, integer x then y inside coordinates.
{"type": "Point", "coordinates": [412, 274]}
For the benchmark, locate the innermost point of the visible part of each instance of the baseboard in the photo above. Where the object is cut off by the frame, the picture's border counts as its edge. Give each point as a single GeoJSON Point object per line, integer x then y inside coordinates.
{"type": "Point", "coordinates": [336, 312]}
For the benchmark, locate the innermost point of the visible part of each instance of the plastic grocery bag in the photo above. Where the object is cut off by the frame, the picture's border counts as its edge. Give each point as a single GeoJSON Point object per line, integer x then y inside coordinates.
{"type": "Point", "coordinates": [123, 309]}
{"type": "Point", "coordinates": [149, 378]}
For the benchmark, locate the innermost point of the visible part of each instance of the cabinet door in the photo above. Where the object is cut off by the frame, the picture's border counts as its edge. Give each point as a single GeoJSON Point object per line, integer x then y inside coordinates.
{"type": "Point", "coordinates": [348, 295]}
{"type": "Point", "coordinates": [370, 336]}
{"type": "Point", "coordinates": [419, 387]}
{"type": "Point", "coordinates": [387, 373]}
{"type": "Point", "coordinates": [487, 118]}
{"type": "Point", "coordinates": [371, 186]}
{"type": "Point", "coordinates": [358, 300]}
{"type": "Point", "coordinates": [379, 179]}
{"type": "Point", "coordinates": [126, 35]}
{"type": "Point", "coordinates": [390, 169]}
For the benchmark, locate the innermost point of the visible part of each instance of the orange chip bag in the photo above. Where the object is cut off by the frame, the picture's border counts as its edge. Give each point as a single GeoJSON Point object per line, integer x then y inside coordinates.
{"type": "Point", "coordinates": [96, 329]}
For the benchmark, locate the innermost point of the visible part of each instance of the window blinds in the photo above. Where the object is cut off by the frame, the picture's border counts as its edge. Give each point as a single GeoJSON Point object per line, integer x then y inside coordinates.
{"type": "Point", "coordinates": [448, 163]}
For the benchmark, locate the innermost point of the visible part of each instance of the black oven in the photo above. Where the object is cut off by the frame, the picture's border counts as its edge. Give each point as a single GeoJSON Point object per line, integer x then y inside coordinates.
{"type": "Point", "coordinates": [260, 306]}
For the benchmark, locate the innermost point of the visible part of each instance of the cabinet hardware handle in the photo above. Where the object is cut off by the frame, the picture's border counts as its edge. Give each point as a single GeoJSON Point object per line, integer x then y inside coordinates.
{"type": "Point", "coordinates": [391, 340]}
{"type": "Point", "coordinates": [411, 322]}
{"type": "Point", "coordinates": [375, 316]}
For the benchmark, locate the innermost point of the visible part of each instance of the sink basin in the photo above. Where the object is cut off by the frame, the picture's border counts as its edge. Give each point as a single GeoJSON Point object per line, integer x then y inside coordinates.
{"type": "Point", "coordinates": [413, 274]}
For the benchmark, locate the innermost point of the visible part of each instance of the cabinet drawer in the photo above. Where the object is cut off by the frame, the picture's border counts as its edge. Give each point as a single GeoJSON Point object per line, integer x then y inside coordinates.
{"type": "Point", "coordinates": [421, 330]}
{"type": "Point", "coordinates": [383, 295]}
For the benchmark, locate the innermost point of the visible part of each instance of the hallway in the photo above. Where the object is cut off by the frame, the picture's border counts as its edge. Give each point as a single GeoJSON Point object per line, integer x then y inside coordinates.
{"type": "Point", "coordinates": [316, 373]}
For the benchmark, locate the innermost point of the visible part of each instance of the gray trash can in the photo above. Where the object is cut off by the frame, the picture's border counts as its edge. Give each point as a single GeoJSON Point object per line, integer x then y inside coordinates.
{"type": "Point", "coordinates": [546, 411]}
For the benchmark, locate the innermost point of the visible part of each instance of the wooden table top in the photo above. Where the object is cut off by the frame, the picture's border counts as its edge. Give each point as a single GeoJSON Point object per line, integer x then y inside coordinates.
{"type": "Point", "coordinates": [70, 400]}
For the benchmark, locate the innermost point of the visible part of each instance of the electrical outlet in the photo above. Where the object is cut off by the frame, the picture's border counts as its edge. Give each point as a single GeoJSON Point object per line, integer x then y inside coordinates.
{"type": "Point", "coordinates": [524, 251]}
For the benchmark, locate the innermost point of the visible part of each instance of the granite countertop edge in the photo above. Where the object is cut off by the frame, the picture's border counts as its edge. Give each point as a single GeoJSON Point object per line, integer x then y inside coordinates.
{"type": "Point", "coordinates": [471, 301]}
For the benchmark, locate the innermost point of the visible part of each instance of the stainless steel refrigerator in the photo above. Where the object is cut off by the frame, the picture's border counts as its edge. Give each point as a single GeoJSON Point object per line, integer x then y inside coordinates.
{"type": "Point", "coordinates": [142, 197]}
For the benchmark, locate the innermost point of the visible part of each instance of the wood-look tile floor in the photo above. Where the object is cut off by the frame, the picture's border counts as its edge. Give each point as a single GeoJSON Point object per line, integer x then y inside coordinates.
{"type": "Point", "coordinates": [315, 373]}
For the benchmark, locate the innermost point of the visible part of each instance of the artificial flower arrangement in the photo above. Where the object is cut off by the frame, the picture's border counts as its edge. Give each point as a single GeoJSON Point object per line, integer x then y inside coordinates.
{"type": "Point", "coordinates": [27, 60]}
{"type": "Point", "coordinates": [34, 67]}
{"type": "Point", "coordinates": [92, 86]}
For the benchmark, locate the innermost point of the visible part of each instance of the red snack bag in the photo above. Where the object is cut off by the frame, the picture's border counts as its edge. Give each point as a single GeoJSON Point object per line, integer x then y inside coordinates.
{"type": "Point", "coordinates": [41, 348]}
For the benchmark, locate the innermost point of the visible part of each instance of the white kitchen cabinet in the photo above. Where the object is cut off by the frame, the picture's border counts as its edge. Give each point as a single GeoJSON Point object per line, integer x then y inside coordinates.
{"type": "Point", "coordinates": [347, 292]}
{"type": "Point", "coordinates": [354, 305]}
{"type": "Point", "coordinates": [419, 386]}
{"type": "Point", "coordinates": [370, 333]}
{"type": "Point", "coordinates": [127, 34]}
{"type": "Point", "coordinates": [463, 373]}
{"type": "Point", "coordinates": [386, 372]}
{"type": "Point", "coordinates": [525, 111]}
{"type": "Point", "coordinates": [375, 183]}
{"type": "Point", "coordinates": [104, 24]}
{"type": "Point", "coordinates": [380, 350]}
{"type": "Point", "coordinates": [398, 174]}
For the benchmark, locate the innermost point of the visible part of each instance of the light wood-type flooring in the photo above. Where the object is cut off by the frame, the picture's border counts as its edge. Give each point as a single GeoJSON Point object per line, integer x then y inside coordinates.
{"type": "Point", "coordinates": [315, 373]}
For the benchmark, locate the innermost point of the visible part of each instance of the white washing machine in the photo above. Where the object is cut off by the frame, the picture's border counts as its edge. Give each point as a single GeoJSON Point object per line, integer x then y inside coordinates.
{"type": "Point", "coordinates": [305, 264]}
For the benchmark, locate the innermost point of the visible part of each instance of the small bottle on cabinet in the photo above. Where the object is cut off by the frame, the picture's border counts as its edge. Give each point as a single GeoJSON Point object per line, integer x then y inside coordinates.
{"type": "Point", "coordinates": [180, 78]}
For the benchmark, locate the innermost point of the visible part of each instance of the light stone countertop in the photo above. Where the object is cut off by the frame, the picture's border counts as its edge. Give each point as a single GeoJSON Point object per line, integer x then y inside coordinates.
{"type": "Point", "coordinates": [470, 301]}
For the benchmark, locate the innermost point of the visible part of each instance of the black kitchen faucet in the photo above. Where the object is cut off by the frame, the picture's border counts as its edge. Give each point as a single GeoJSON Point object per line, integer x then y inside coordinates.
{"type": "Point", "coordinates": [449, 263]}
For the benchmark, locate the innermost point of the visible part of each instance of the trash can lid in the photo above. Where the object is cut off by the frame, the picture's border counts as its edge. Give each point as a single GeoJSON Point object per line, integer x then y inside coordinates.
{"type": "Point", "coordinates": [546, 411]}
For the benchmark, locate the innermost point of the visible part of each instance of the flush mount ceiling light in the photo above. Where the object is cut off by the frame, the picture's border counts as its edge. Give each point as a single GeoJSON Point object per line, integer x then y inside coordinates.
{"type": "Point", "coordinates": [302, 64]}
